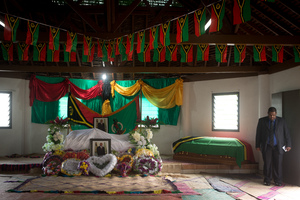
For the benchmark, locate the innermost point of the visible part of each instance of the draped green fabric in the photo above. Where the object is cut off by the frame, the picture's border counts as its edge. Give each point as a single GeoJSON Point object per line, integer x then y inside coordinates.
{"type": "Point", "coordinates": [42, 112]}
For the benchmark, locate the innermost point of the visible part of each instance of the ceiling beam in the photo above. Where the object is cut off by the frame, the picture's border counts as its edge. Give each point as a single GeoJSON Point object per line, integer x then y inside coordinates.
{"type": "Point", "coordinates": [183, 70]}
{"type": "Point", "coordinates": [249, 40]}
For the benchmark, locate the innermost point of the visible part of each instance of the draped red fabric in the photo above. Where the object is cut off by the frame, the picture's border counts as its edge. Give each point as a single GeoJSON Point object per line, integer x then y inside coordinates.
{"type": "Point", "coordinates": [86, 94]}
{"type": "Point", "coordinates": [48, 92]}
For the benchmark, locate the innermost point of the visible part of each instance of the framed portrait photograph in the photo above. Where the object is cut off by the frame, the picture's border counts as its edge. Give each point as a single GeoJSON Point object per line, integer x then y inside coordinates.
{"type": "Point", "coordinates": [100, 147]}
{"type": "Point", "coordinates": [101, 123]}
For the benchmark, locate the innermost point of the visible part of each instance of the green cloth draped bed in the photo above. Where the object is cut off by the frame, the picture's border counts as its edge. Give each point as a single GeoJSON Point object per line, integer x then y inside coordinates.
{"type": "Point", "coordinates": [231, 147]}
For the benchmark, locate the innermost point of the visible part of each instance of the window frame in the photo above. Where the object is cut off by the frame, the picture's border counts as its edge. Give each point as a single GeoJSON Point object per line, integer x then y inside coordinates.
{"type": "Point", "coordinates": [10, 111]}
{"type": "Point", "coordinates": [238, 112]}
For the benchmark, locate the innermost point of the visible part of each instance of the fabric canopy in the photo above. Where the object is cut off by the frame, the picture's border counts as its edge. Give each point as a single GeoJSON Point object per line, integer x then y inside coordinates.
{"type": "Point", "coordinates": [167, 97]}
{"type": "Point", "coordinates": [48, 92]}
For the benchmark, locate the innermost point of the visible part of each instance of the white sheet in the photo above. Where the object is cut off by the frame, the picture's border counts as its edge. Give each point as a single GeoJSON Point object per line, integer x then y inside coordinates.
{"type": "Point", "coordinates": [80, 139]}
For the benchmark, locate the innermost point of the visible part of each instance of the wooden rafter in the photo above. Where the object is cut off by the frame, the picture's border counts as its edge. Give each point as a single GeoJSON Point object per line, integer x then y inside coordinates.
{"type": "Point", "coordinates": [160, 14]}
{"type": "Point", "coordinates": [83, 16]}
{"type": "Point", "coordinates": [125, 15]}
{"type": "Point", "coordinates": [281, 15]}
{"type": "Point", "coordinates": [277, 23]}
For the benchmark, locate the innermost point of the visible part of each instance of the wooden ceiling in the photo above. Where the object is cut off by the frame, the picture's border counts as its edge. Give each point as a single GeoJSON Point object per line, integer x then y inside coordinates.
{"type": "Point", "coordinates": [270, 24]}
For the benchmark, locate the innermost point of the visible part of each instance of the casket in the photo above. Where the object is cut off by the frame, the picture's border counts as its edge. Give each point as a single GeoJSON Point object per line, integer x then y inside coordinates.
{"type": "Point", "coordinates": [230, 151]}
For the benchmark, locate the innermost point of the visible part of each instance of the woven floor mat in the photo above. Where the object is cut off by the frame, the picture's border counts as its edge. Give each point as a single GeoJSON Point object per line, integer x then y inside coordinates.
{"type": "Point", "coordinates": [89, 183]}
{"type": "Point", "coordinates": [194, 181]}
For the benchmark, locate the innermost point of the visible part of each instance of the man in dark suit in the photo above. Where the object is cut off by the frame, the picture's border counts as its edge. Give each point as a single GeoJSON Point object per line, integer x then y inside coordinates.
{"type": "Point", "coordinates": [272, 139]}
{"type": "Point", "coordinates": [100, 150]}
{"type": "Point", "coordinates": [101, 125]}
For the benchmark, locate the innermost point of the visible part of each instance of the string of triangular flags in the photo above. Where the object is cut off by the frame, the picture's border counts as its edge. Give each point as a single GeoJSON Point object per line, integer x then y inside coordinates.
{"type": "Point", "coordinates": [124, 46]}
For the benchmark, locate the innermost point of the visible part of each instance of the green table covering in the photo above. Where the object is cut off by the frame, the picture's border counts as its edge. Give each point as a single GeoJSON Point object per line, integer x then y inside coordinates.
{"type": "Point", "coordinates": [212, 146]}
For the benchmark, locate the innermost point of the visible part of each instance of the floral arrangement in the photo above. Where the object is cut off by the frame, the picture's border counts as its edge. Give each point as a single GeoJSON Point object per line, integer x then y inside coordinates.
{"type": "Point", "coordinates": [59, 123]}
{"type": "Point", "coordinates": [84, 167]}
{"type": "Point", "coordinates": [123, 167]}
{"type": "Point", "coordinates": [110, 159]}
{"type": "Point", "coordinates": [142, 135]}
{"type": "Point", "coordinates": [147, 165]}
{"type": "Point", "coordinates": [149, 122]}
{"type": "Point", "coordinates": [54, 137]}
{"type": "Point", "coordinates": [51, 169]}
{"type": "Point", "coordinates": [124, 164]}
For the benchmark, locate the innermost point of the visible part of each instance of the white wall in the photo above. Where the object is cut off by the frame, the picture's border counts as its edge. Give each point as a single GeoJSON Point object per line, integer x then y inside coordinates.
{"type": "Point", "coordinates": [197, 107]}
{"type": "Point", "coordinates": [12, 140]}
{"type": "Point", "coordinates": [195, 117]}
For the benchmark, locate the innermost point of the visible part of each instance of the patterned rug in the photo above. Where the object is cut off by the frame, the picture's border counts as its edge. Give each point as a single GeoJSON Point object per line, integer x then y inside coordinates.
{"type": "Point", "coordinates": [253, 187]}
{"type": "Point", "coordinates": [138, 185]}
{"type": "Point", "coordinates": [208, 194]}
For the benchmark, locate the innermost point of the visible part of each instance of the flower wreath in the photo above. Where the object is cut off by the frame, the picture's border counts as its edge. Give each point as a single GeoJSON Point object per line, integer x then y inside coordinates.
{"type": "Point", "coordinates": [70, 167]}
{"type": "Point", "coordinates": [147, 165]}
{"type": "Point", "coordinates": [124, 164]}
{"type": "Point", "coordinates": [94, 160]}
{"type": "Point", "coordinates": [52, 168]}
{"type": "Point", "coordinates": [52, 158]}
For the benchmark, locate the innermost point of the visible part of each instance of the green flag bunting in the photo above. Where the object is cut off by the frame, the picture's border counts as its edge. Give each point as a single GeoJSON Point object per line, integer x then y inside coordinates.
{"type": "Point", "coordinates": [182, 29]}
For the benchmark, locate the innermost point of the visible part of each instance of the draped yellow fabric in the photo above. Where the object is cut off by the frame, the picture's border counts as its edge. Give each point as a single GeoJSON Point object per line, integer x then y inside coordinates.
{"type": "Point", "coordinates": [125, 91]}
{"type": "Point", "coordinates": [106, 108]}
{"type": "Point", "coordinates": [165, 98]}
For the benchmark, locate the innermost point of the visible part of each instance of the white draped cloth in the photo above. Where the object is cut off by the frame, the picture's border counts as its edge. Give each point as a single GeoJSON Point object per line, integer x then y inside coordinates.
{"type": "Point", "coordinates": [80, 139]}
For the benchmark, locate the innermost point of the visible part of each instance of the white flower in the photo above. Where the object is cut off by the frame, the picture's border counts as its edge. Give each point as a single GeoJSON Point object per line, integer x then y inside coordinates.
{"type": "Point", "coordinates": [154, 149]}
{"type": "Point", "coordinates": [136, 136]}
{"type": "Point", "coordinates": [142, 138]}
{"type": "Point", "coordinates": [149, 134]}
{"type": "Point", "coordinates": [55, 138]}
{"type": "Point", "coordinates": [49, 138]}
{"type": "Point", "coordinates": [139, 143]}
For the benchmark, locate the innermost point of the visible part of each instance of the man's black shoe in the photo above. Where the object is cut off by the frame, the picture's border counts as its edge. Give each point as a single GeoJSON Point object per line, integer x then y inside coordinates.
{"type": "Point", "coordinates": [266, 183]}
{"type": "Point", "coordinates": [278, 184]}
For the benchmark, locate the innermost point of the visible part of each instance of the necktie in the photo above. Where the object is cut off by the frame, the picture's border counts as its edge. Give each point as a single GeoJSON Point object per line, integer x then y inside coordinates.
{"type": "Point", "coordinates": [271, 135]}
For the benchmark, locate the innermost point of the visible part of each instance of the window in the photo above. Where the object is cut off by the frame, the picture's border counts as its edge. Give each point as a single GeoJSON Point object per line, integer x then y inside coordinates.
{"type": "Point", "coordinates": [63, 106]}
{"type": "Point", "coordinates": [225, 112]}
{"type": "Point", "coordinates": [5, 109]}
{"type": "Point", "coordinates": [149, 110]}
